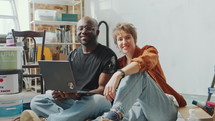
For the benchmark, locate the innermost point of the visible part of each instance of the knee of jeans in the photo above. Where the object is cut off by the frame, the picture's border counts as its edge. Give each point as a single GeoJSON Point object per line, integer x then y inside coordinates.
{"type": "Point", "coordinates": [98, 98]}
{"type": "Point", "coordinates": [32, 104]}
{"type": "Point", "coordinates": [101, 101]}
{"type": "Point", "coordinates": [35, 101]}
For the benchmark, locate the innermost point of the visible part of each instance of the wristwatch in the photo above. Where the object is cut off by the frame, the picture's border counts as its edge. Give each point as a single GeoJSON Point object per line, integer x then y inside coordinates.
{"type": "Point", "coordinates": [122, 72]}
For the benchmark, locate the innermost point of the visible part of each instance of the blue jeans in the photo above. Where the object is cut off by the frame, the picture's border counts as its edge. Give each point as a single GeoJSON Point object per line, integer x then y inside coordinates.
{"type": "Point", "coordinates": [87, 107]}
{"type": "Point", "coordinates": [139, 98]}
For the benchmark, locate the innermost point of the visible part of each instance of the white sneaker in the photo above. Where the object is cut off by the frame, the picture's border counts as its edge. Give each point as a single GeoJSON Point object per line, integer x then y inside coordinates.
{"type": "Point", "coordinates": [29, 115]}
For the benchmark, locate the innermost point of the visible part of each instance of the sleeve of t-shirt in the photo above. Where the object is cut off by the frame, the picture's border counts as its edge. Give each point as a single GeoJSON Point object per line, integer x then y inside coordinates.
{"type": "Point", "coordinates": [72, 55]}
{"type": "Point", "coordinates": [110, 65]}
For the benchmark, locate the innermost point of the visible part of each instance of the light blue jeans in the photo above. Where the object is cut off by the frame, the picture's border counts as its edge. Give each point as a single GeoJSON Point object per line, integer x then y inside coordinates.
{"type": "Point", "coordinates": [87, 107]}
{"type": "Point", "coordinates": [139, 98]}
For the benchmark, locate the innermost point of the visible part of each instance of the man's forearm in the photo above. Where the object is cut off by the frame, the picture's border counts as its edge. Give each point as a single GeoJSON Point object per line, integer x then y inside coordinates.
{"type": "Point", "coordinates": [99, 90]}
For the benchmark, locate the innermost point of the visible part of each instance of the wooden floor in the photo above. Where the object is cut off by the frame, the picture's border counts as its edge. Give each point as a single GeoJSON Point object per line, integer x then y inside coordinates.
{"type": "Point", "coordinates": [28, 95]}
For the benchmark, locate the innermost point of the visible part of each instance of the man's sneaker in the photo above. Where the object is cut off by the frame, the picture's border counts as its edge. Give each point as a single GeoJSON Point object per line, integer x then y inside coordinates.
{"type": "Point", "coordinates": [29, 115]}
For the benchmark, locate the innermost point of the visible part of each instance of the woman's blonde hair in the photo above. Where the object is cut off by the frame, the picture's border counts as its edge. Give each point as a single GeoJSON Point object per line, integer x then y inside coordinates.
{"type": "Point", "coordinates": [126, 27]}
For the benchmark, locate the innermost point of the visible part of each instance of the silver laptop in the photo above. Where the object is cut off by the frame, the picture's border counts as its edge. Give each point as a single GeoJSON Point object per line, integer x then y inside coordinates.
{"type": "Point", "coordinates": [58, 75]}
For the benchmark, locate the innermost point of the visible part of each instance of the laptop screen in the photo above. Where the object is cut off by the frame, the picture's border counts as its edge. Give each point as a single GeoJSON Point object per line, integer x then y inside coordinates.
{"type": "Point", "coordinates": [58, 75]}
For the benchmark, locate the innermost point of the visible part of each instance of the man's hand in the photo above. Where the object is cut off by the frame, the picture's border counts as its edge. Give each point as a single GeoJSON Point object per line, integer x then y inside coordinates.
{"type": "Point", "coordinates": [60, 95]}
{"type": "Point", "coordinates": [74, 96]}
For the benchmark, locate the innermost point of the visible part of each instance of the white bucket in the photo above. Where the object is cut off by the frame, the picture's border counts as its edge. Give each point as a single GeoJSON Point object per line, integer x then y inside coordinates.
{"type": "Point", "coordinates": [10, 58]}
{"type": "Point", "coordinates": [11, 81]}
{"type": "Point", "coordinates": [11, 105]}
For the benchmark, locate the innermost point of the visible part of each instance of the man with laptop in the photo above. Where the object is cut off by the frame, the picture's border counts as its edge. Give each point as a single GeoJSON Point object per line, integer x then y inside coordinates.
{"type": "Point", "coordinates": [91, 66]}
{"type": "Point", "coordinates": [61, 73]}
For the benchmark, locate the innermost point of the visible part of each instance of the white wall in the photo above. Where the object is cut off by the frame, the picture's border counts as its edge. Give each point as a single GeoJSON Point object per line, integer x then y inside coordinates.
{"type": "Point", "coordinates": [23, 14]}
{"type": "Point", "coordinates": [182, 30]}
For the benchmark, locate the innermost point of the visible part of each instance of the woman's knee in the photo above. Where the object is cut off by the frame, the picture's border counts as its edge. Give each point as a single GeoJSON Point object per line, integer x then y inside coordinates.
{"type": "Point", "coordinates": [100, 100]}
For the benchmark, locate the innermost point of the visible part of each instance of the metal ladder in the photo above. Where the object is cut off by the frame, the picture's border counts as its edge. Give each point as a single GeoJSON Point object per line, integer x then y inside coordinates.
{"type": "Point", "coordinates": [211, 87]}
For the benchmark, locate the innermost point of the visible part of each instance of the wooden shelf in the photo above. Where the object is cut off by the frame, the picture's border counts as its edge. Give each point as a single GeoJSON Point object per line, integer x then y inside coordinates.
{"type": "Point", "coordinates": [56, 2]}
{"type": "Point", "coordinates": [48, 43]}
{"type": "Point", "coordinates": [54, 22]}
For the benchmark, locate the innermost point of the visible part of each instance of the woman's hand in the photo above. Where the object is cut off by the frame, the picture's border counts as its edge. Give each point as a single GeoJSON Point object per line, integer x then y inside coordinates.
{"type": "Point", "coordinates": [110, 88]}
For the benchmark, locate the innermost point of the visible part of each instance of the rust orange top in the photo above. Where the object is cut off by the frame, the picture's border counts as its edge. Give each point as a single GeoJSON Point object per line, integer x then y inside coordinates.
{"type": "Point", "coordinates": [147, 58]}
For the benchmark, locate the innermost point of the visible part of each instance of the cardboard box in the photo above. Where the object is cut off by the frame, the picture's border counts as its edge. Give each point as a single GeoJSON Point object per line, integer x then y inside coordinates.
{"type": "Point", "coordinates": [45, 15]}
{"type": "Point", "coordinates": [198, 112]}
{"type": "Point", "coordinates": [67, 17]}
{"type": "Point", "coordinates": [62, 56]}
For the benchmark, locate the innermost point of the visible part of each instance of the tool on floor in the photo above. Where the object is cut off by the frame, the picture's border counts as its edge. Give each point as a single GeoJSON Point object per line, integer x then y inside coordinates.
{"type": "Point", "coordinates": [211, 89]}
{"type": "Point", "coordinates": [210, 104]}
{"type": "Point", "coordinates": [205, 107]}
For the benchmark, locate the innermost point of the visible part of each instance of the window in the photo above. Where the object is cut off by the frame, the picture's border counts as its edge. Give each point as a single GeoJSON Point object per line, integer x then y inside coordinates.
{"type": "Point", "coordinates": [8, 16]}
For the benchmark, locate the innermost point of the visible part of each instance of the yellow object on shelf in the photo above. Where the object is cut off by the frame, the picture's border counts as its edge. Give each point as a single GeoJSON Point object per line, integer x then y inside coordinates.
{"type": "Point", "coordinates": [47, 53]}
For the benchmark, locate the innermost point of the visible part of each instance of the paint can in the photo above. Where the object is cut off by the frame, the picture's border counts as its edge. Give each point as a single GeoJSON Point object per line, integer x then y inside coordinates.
{"type": "Point", "coordinates": [11, 81]}
{"type": "Point", "coordinates": [11, 58]}
{"type": "Point", "coordinates": [11, 70]}
{"type": "Point", "coordinates": [11, 105]}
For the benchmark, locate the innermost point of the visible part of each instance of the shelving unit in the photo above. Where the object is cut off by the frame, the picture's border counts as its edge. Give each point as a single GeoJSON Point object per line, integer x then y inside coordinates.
{"type": "Point", "coordinates": [65, 43]}
{"type": "Point", "coordinates": [72, 24]}
{"type": "Point", "coordinates": [55, 2]}
{"type": "Point", "coordinates": [58, 2]}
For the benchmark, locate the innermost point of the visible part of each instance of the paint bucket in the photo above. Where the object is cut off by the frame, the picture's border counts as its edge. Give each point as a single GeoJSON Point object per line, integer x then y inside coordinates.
{"type": "Point", "coordinates": [11, 58]}
{"type": "Point", "coordinates": [11, 81]}
{"type": "Point", "coordinates": [11, 70]}
{"type": "Point", "coordinates": [11, 105]}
